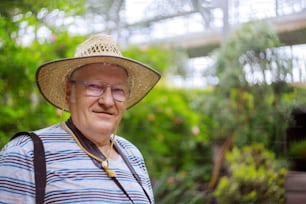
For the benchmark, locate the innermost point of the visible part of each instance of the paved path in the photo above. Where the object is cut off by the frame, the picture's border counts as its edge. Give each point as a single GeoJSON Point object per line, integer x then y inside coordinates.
{"type": "Point", "coordinates": [295, 185]}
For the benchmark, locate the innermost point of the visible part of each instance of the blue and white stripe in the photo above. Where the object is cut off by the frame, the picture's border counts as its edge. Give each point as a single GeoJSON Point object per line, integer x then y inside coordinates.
{"type": "Point", "coordinates": [72, 177]}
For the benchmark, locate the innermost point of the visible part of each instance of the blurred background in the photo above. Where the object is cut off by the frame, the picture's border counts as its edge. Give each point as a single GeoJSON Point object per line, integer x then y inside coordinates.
{"type": "Point", "coordinates": [227, 122]}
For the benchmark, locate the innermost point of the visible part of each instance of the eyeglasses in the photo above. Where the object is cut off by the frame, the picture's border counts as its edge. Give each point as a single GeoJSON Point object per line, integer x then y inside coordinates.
{"type": "Point", "coordinates": [96, 88]}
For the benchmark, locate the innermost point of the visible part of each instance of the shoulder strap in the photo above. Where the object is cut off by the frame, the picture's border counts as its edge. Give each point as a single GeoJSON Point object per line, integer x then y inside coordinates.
{"type": "Point", "coordinates": [39, 165]}
{"type": "Point", "coordinates": [129, 165]}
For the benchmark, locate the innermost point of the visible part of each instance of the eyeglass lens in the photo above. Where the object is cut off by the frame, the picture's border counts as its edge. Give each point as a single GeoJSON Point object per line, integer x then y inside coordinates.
{"type": "Point", "coordinates": [97, 88]}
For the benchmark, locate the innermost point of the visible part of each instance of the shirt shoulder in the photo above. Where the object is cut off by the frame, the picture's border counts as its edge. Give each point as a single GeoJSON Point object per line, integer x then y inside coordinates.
{"type": "Point", "coordinates": [128, 146]}
{"type": "Point", "coordinates": [23, 143]}
{"type": "Point", "coordinates": [133, 154]}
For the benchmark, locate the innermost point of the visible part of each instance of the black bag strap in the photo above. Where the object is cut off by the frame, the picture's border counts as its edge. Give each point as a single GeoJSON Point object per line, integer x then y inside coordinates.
{"type": "Point", "coordinates": [39, 165]}
{"type": "Point", "coordinates": [136, 176]}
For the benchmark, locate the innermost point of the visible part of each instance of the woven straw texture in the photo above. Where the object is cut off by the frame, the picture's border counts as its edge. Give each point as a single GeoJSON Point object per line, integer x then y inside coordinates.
{"type": "Point", "coordinates": [52, 77]}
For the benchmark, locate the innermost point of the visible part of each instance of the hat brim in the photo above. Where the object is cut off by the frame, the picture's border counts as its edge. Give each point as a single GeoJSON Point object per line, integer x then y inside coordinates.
{"type": "Point", "coordinates": [51, 77]}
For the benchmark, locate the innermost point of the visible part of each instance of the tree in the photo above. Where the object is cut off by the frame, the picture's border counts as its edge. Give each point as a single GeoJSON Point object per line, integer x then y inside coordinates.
{"type": "Point", "coordinates": [253, 74]}
{"type": "Point", "coordinates": [247, 105]}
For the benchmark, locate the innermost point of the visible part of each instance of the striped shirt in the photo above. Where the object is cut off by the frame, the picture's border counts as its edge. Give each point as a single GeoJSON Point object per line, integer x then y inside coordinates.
{"type": "Point", "coordinates": [72, 177]}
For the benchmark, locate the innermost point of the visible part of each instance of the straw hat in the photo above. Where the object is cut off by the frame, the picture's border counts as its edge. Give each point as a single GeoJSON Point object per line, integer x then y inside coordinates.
{"type": "Point", "coordinates": [51, 77]}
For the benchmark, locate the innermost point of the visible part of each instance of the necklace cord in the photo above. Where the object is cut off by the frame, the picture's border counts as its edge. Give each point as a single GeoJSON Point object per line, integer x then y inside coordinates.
{"type": "Point", "coordinates": [103, 162]}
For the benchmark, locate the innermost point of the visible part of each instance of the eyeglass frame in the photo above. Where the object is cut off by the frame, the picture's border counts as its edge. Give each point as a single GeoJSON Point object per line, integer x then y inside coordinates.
{"type": "Point", "coordinates": [103, 86]}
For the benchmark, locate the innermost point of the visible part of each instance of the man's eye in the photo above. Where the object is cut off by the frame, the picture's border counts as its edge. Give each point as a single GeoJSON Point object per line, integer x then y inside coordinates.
{"type": "Point", "coordinates": [118, 90]}
{"type": "Point", "coordinates": [94, 86]}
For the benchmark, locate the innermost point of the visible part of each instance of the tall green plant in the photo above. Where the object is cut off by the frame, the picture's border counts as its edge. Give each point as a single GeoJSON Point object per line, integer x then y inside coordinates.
{"type": "Point", "coordinates": [247, 102]}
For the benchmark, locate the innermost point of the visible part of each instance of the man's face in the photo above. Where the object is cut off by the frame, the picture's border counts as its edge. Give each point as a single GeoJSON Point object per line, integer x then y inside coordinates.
{"type": "Point", "coordinates": [96, 115]}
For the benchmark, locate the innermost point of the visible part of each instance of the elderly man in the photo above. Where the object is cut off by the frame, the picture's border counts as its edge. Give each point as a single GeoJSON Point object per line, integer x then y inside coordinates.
{"type": "Point", "coordinates": [86, 162]}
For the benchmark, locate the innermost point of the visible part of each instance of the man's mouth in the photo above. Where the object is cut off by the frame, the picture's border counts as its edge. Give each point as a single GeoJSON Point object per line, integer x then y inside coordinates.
{"type": "Point", "coordinates": [103, 112]}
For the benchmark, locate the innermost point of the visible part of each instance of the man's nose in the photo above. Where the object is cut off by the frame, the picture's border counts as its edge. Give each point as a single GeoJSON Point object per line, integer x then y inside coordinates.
{"type": "Point", "coordinates": [106, 97]}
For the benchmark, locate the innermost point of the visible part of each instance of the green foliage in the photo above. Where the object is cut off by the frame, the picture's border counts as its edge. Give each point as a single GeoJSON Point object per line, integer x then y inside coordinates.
{"type": "Point", "coordinates": [298, 150]}
{"type": "Point", "coordinates": [248, 116]}
{"type": "Point", "coordinates": [157, 57]}
{"type": "Point", "coordinates": [245, 58]}
{"type": "Point", "coordinates": [172, 135]}
{"type": "Point", "coordinates": [179, 189]}
{"type": "Point", "coordinates": [297, 155]}
{"type": "Point", "coordinates": [19, 99]}
{"type": "Point", "coordinates": [255, 177]}
{"type": "Point", "coordinates": [174, 141]}
{"type": "Point", "coordinates": [164, 122]}
{"type": "Point", "coordinates": [246, 103]}
{"type": "Point", "coordinates": [29, 7]}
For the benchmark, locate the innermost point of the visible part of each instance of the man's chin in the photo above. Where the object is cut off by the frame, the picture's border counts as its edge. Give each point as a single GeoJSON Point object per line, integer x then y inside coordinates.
{"type": "Point", "coordinates": [104, 126]}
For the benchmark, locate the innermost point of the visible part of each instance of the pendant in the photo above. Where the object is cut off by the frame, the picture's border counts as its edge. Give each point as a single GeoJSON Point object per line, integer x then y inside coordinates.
{"type": "Point", "coordinates": [110, 173]}
{"type": "Point", "coordinates": [104, 163]}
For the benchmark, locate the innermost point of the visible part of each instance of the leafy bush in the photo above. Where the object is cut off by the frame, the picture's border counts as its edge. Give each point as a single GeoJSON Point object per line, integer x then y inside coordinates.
{"type": "Point", "coordinates": [22, 107]}
{"type": "Point", "coordinates": [178, 188]}
{"type": "Point", "coordinates": [173, 139]}
{"type": "Point", "coordinates": [297, 155]}
{"type": "Point", "coordinates": [298, 150]}
{"type": "Point", "coordinates": [169, 133]}
{"type": "Point", "coordinates": [254, 177]}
